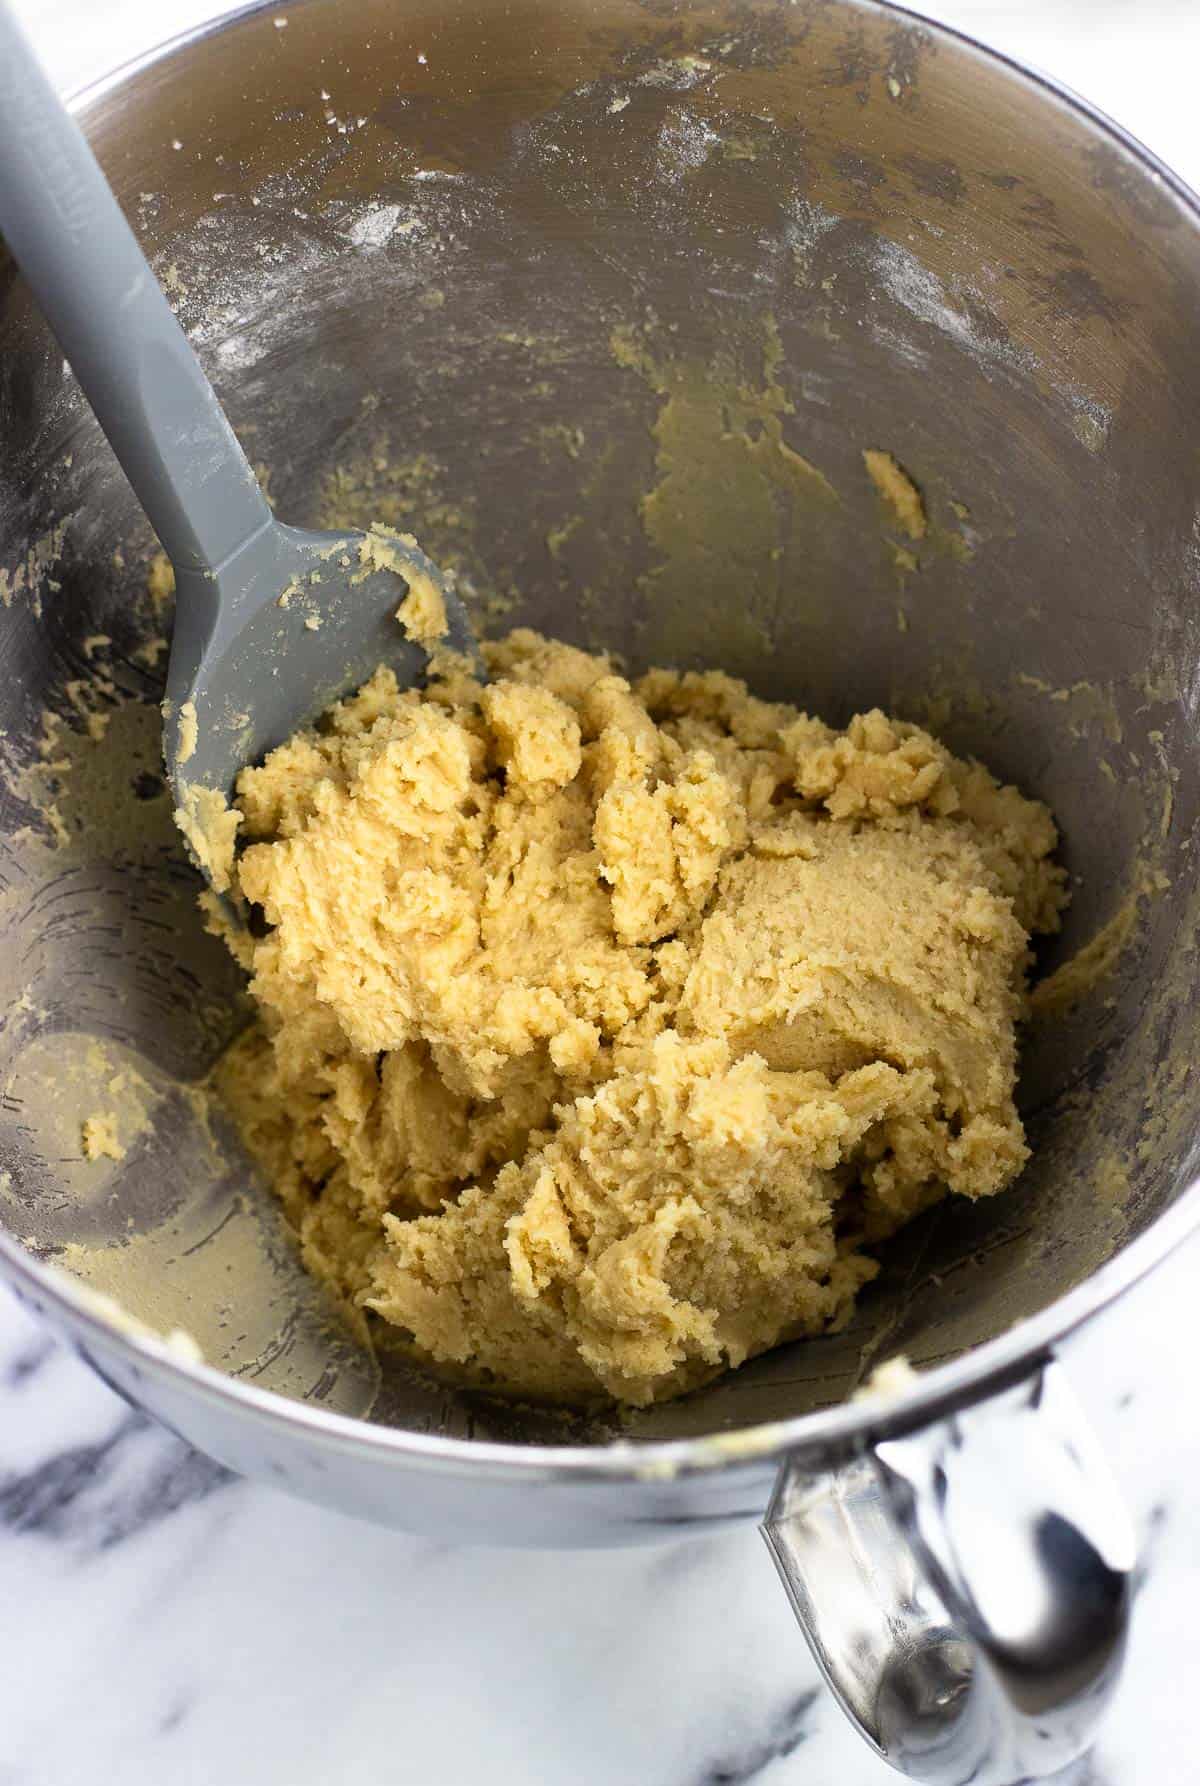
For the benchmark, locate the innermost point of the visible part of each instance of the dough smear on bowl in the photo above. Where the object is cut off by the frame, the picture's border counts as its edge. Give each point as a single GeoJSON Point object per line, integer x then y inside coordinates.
{"type": "Point", "coordinates": [606, 1028]}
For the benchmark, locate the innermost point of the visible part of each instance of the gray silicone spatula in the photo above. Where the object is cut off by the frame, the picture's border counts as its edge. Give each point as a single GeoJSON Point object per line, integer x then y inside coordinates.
{"type": "Point", "coordinates": [271, 622]}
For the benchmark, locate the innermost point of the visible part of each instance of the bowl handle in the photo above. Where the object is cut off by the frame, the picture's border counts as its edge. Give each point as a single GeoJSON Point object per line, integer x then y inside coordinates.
{"type": "Point", "coordinates": [966, 1589]}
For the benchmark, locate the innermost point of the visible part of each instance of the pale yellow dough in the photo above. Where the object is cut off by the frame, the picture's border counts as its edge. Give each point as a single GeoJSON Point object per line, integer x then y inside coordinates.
{"type": "Point", "coordinates": [99, 1137]}
{"type": "Point", "coordinates": [605, 1027]}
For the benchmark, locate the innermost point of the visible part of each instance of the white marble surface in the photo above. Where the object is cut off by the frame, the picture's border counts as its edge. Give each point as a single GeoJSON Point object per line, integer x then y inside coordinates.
{"type": "Point", "coordinates": [164, 1623]}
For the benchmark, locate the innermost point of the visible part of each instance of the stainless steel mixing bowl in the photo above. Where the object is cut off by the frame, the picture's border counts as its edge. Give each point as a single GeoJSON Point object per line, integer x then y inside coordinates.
{"type": "Point", "coordinates": [607, 299]}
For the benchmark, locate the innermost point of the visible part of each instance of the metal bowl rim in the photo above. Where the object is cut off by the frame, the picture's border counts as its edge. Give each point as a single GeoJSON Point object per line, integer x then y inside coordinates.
{"type": "Point", "coordinates": [936, 1393]}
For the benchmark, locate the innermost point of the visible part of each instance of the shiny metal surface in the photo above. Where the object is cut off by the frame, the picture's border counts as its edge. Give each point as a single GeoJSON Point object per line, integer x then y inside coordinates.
{"type": "Point", "coordinates": [581, 255]}
{"type": "Point", "coordinates": [245, 668]}
{"type": "Point", "coordinates": [966, 1590]}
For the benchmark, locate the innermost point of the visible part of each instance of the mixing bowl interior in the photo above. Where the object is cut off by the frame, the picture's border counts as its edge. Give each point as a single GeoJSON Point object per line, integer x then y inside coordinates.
{"type": "Point", "coordinates": [605, 301]}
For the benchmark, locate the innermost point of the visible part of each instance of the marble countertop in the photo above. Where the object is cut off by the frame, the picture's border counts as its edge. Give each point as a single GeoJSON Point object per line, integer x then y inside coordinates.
{"type": "Point", "coordinates": [165, 1622]}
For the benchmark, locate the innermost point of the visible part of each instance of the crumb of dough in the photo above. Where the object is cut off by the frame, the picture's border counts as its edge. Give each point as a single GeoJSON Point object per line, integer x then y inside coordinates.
{"type": "Point", "coordinates": [189, 731]}
{"type": "Point", "coordinates": [898, 491]}
{"type": "Point", "coordinates": [422, 613]}
{"type": "Point", "coordinates": [905, 564]}
{"type": "Point", "coordinates": [183, 1345]}
{"type": "Point", "coordinates": [160, 581]}
{"type": "Point", "coordinates": [606, 1028]}
{"type": "Point", "coordinates": [210, 826]}
{"type": "Point", "coordinates": [149, 651]}
{"type": "Point", "coordinates": [888, 1382]}
{"type": "Point", "coordinates": [99, 1137]}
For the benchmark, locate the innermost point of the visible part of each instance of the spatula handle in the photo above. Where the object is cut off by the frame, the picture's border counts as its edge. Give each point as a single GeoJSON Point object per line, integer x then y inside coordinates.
{"type": "Point", "coordinates": [141, 377]}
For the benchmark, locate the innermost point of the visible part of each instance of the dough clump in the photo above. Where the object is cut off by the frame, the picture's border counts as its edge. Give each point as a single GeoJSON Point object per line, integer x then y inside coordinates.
{"type": "Point", "coordinates": [606, 1027]}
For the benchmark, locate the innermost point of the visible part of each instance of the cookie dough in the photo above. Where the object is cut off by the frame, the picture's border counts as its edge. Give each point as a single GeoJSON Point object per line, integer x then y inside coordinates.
{"type": "Point", "coordinates": [98, 1137]}
{"type": "Point", "coordinates": [607, 1028]}
{"type": "Point", "coordinates": [898, 492]}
